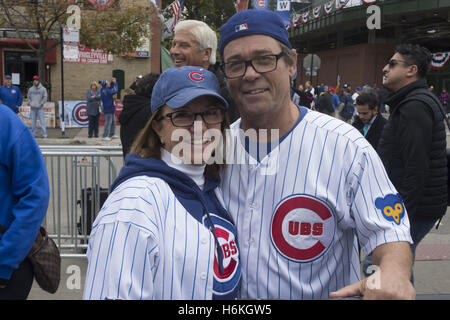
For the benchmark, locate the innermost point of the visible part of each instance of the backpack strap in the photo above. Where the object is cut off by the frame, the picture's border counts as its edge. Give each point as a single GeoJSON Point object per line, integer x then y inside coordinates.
{"type": "Point", "coordinates": [424, 96]}
{"type": "Point", "coordinates": [441, 108]}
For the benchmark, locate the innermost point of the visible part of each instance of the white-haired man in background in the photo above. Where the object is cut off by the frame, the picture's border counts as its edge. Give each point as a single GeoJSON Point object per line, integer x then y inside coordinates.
{"type": "Point", "coordinates": [195, 44]}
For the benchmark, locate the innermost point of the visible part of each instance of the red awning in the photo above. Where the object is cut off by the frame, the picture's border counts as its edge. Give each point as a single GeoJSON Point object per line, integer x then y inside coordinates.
{"type": "Point", "coordinates": [19, 43]}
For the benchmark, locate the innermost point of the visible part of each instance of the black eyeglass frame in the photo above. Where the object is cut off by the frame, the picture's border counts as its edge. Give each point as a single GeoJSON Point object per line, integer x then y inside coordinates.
{"type": "Point", "coordinates": [201, 114]}
{"type": "Point", "coordinates": [250, 62]}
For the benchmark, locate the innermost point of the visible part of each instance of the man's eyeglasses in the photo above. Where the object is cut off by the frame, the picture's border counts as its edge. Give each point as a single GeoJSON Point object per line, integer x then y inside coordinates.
{"type": "Point", "coordinates": [261, 64]}
{"type": "Point", "coordinates": [187, 118]}
{"type": "Point", "coordinates": [393, 62]}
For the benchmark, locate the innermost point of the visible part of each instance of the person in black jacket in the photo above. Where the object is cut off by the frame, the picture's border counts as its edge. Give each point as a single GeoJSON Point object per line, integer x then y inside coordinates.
{"type": "Point", "coordinates": [325, 102]}
{"type": "Point", "coordinates": [369, 120]}
{"type": "Point", "coordinates": [413, 142]}
{"type": "Point", "coordinates": [136, 111]}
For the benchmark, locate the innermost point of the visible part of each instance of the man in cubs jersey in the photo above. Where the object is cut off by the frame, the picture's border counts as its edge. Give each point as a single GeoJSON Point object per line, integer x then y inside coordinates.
{"type": "Point", "coordinates": [301, 201]}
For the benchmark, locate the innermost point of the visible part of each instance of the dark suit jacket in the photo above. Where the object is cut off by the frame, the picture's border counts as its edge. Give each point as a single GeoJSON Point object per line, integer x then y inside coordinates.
{"type": "Point", "coordinates": [374, 133]}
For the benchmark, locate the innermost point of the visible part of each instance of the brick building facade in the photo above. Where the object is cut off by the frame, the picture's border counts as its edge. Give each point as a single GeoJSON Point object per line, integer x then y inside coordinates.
{"type": "Point", "coordinates": [16, 57]}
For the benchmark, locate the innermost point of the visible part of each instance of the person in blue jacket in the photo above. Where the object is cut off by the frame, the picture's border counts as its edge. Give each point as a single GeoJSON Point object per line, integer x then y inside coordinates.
{"type": "Point", "coordinates": [109, 89]}
{"type": "Point", "coordinates": [11, 95]}
{"type": "Point", "coordinates": [24, 190]}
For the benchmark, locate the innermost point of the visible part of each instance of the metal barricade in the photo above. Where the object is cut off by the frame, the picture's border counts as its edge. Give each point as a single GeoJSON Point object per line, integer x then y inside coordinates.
{"type": "Point", "coordinates": [79, 178]}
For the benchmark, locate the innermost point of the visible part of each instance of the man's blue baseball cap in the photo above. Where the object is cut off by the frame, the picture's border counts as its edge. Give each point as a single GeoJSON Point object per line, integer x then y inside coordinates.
{"type": "Point", "coordinates": [250, 22]}
{"type": "Point", "coordinates": [176, 87]}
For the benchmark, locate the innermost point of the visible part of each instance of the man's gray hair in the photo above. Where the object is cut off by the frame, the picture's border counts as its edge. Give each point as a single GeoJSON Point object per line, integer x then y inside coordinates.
{"type": "Point", "coordinates": [205, 36]}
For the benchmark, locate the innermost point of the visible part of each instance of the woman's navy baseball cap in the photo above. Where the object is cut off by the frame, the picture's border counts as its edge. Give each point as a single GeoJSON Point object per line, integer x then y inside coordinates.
{"type": "Point", "coordinates": [250, 22]}
{"type": "Point", "coordinates": [176, 87]}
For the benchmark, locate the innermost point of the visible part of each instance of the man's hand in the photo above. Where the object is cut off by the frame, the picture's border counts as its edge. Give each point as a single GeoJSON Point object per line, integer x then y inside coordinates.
{"type": "Point", "coordinates": [392, 279]}
{"type": "Point", "coordinates": [381, 285]}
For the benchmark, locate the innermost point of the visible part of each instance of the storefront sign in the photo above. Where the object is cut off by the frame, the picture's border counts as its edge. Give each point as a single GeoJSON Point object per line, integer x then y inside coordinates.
{"type": "Point", "coordinates": [82, 54]}
{"type": "Point", "coordinates": [50, 114]}
{"type": "Point", "coordinates": [75, 113]}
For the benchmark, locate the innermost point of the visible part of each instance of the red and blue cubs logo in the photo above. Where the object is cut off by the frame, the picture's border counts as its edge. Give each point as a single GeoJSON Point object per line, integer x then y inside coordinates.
{"type": "Point", "coordinates": [227, 243]}
{"type": "Point", "coordinates": [226, 282]}
{"type": "Point", "coordinates": [196, 76]}
{"type": "Point", "coordinates": [79, 114]}
{"type": "Point", "coordinates": [261, 4]}
{"type": "Point", "coordinates": [302, 227]}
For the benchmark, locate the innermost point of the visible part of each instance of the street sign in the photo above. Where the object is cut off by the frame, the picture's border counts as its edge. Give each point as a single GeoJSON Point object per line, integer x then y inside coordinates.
{"type": "Point", "coordinates": [311, 61]}
{"type": "Point", "coordinates": [71, 36]}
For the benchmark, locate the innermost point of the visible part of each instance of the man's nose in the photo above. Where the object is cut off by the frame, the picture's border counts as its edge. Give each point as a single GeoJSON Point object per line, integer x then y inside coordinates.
{"type": "Point", "coordinates": [173, 49]}
{"type": "Point", "coordinates": [250, 72]}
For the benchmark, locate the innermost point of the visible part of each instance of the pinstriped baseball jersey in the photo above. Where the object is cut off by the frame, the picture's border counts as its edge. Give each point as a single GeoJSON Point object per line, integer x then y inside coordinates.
{"type": "Point", "coordinates": [300, 210]}
{"type": "Point", "coordinates": [145, 245]}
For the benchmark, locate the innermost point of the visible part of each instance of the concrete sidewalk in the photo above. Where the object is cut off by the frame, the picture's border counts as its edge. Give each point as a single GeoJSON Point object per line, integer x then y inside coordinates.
{"type": "Point", "coordinates": [431, 268]}
{"type": "Point", "coordinates": [431, 274]}
{"type": "Point", "coordinates": [76, 136]}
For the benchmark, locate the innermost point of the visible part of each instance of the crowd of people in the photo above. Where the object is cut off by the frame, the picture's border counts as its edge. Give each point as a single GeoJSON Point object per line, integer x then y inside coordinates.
{"type": "Point", "coordinates": [342, 104]}
{"type": "Point", "coordinates": [335, 101]}
{"type": "Point", "coordinates": [290, 220]}
{"type": "Point", "coordinates": [11, 96]}
{"type": "Point", "coordinates": [365, 107]}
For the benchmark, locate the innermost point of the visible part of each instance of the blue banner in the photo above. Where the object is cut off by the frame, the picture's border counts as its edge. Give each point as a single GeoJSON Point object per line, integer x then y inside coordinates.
{"type": "Point", "coordinates": [261, 4]}
{"type": "Point", "coordinates": [284, 10]}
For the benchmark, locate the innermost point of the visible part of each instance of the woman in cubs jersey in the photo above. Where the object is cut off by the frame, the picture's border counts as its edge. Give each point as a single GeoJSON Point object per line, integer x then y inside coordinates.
{"type": "Point", "coordinates": [163, 232]}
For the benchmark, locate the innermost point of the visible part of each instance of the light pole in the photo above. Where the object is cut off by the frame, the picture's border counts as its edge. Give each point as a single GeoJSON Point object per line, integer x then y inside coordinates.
{"type": "Point", "coordinates": [63, 133]}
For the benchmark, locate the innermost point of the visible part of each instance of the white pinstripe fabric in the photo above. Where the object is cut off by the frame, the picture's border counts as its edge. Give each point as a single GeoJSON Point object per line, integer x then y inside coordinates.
{"type": "Point", "coordinates": [145, 245]}
{"type": "Point", "coordinates": [326, 159]}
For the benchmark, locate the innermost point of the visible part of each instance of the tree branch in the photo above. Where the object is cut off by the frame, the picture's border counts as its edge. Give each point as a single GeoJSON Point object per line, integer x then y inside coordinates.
{"type": "Point", "coordinates": [11, 22]}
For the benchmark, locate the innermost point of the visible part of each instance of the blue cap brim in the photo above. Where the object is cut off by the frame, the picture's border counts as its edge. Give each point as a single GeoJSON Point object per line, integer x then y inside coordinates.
{"type": "Point", "coordinates": [183, 97]}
